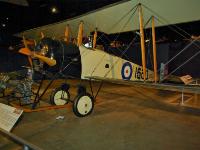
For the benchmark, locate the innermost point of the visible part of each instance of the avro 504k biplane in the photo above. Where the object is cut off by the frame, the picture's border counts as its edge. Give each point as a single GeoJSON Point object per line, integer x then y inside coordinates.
{"type": "Point", "coordinates": [57, 55]}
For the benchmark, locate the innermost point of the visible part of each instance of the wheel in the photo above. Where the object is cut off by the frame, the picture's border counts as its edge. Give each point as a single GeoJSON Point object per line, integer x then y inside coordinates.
{"type": "Point", "coordinates": [83, 105]}
{"type": "Point", "coordinates": [59, 97]}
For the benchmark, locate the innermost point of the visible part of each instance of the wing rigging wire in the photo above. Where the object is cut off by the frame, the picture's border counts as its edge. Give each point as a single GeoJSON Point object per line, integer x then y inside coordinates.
{"type": "Point", "coordinates": [119, 58]}
{"type": "Point", "coordinates": [181, 51]}
{"type": "Point", "coordinates": [189, 59]}
{"type": "Point", "coordinates": [100, 37]}
{"type": "Point", "coordinates": [111, 28]}
{"type": "Point", "coordinates": [129, 43]}
{"type": "Point", "coordinates": [176, 29]}
{"type": "Point", "coordinates": [172, 27]}
{"type": "Point", "coordinates": [63, 58]}
{"type": "Point", "coordinates": [166, 21]}
{"type": "Point", "coordinates": [123, 53]}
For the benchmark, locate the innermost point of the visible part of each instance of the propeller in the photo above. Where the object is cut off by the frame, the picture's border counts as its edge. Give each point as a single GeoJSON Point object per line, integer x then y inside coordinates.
{"type": "Point", "coordinates": [29, 53]}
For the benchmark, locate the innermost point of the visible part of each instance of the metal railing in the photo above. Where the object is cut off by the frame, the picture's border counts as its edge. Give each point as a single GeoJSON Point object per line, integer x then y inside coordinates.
{"type": "Point", "coordinates": [26, 145]}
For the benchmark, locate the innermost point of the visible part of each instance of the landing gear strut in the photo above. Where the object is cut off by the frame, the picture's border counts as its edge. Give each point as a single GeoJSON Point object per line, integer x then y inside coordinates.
{"type": "Point", "coordinates": [83, 103]}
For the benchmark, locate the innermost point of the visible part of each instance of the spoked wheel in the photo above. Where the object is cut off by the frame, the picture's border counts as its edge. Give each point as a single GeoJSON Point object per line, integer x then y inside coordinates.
{"type": "Point", "coordinates": [83, 105]}
{"type": "Point", "coordinates": [59, 97]}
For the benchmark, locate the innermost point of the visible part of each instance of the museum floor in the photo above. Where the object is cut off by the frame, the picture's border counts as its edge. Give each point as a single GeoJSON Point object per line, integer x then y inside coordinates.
{"type": "Point", "coordinates": [124, 118]}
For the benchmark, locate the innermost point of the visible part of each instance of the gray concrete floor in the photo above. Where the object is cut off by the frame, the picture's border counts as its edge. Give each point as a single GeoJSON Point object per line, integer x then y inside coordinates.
{"type": "Point", "coordinates": [124, 118]}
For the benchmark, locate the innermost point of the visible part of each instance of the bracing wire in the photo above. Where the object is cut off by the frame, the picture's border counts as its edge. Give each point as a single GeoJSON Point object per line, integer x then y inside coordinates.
{"type": "Point", "coordinates": [71, 62]}
{"type": "Point", "coordinates": [116, 39]}
{"type": "Point", "coordinates": [185, 48]}
{"type": "Point", "coordinates": [112, 28]}
{"type": "Point", "coordinates": [118, 58]}
{"type": "Point", "coordinates": [182, 64]}
{"type": "Point", "coordinates": [100, 37]}
{"type": "Point", "coordinates": [166, 21]}
{"type": "Point", "coordinates": [180, 52]}
{"type": "Point", "coordinates": [173, 28]}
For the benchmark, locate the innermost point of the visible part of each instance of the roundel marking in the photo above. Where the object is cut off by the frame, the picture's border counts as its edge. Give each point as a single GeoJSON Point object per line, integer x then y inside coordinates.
{"type": "Point", "coordinates": [126, 71]}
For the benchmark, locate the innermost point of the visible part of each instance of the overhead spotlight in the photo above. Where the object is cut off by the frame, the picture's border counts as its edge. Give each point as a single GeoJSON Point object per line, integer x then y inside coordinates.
{"type": "Point", "coordinates": [54, 10]}
{"type": "Point", "coordinates": [3, 25]}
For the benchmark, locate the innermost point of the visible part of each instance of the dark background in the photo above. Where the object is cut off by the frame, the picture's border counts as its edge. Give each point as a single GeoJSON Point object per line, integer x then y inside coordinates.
{"type": "Point", "coordinates": [16, 18]}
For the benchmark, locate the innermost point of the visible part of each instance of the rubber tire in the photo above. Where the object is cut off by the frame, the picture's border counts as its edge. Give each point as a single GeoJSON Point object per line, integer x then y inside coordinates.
{"type": "Point", "coordinates": [76, 102]}
{"type": "Point", "coordinates": [55, 91]}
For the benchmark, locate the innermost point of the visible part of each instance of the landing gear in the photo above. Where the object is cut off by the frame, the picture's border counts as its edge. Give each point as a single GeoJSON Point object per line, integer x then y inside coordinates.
{"type": "Point", "coordinates": [60, 96]}
{"type": "Point", "coordinates": [83, 105]}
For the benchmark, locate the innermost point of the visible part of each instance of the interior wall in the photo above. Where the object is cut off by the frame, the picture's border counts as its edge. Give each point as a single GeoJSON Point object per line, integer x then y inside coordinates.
{"type": "Point", "coordinates": [11, 61]}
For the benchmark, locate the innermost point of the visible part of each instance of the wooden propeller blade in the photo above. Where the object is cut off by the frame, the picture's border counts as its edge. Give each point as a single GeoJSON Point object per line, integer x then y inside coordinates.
{"type": "Point", "coordinates": [25, 51]}
{"type": "Point", "coordinates": [47, 60]}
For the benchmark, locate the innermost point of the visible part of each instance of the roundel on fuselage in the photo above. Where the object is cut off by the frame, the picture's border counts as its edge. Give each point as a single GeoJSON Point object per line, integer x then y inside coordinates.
{"type": "Point", "coordinates": [126, 71]}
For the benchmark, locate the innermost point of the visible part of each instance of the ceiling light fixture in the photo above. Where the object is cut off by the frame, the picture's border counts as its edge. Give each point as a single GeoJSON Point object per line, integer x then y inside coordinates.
{"type": "Point", "coordinates": [3, 25]}
{"type": "Point", "coordinates": [54, 10]}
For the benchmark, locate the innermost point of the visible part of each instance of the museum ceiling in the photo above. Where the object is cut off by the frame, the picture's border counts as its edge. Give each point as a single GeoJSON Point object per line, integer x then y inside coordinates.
{"type": "Point", "coordinates": [19, 15]}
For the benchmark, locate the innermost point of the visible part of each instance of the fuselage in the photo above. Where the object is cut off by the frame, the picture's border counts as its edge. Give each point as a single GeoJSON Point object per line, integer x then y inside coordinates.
{"type": "Point", "coordinates": [85, 62]}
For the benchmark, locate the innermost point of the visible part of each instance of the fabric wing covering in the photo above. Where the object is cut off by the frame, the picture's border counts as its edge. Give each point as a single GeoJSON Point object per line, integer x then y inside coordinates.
{"type": "Point", "coordinates": [120, 17]}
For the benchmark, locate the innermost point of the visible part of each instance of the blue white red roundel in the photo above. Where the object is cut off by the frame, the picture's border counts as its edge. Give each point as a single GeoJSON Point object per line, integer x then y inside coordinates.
{"type": "Point", "coordinates": [126, 71]}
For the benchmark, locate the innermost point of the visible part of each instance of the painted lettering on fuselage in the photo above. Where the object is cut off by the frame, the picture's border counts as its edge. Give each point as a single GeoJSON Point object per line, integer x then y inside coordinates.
{"type": "Point", "coordinates": [128, 70]}
{"type": "Point", "coordinates": [139, 73]}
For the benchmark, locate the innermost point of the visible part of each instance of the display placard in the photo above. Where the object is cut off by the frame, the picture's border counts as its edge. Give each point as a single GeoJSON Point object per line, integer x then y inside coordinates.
{"type": "Point", "coordinates": [9, 116]}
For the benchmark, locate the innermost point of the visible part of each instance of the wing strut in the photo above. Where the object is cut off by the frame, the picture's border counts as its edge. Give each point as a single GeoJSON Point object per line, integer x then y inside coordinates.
{"type": "Point", "coordinates": [154, 51]}
{"type": "Point", "coordinates": [80, 34]}
{"type": "Point", "coordinates": [67, 34]}
{"type": "Point", "coordinates": [95, 38]}
{"type": "Point", "coordinates": [142, 41]}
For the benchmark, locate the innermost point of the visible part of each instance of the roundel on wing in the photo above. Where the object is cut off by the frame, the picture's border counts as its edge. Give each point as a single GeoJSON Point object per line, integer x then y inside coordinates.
{"type": "Point", "coordinates": [126, 71]}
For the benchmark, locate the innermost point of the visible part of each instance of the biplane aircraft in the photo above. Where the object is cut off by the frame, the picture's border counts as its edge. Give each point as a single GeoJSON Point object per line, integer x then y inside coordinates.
{"type": "Point", "coordinates": [53, 53]}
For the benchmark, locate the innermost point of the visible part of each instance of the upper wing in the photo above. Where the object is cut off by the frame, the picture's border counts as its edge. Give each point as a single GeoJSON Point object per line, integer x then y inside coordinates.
{"type": "Point", "coordinates": [119, 17]}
